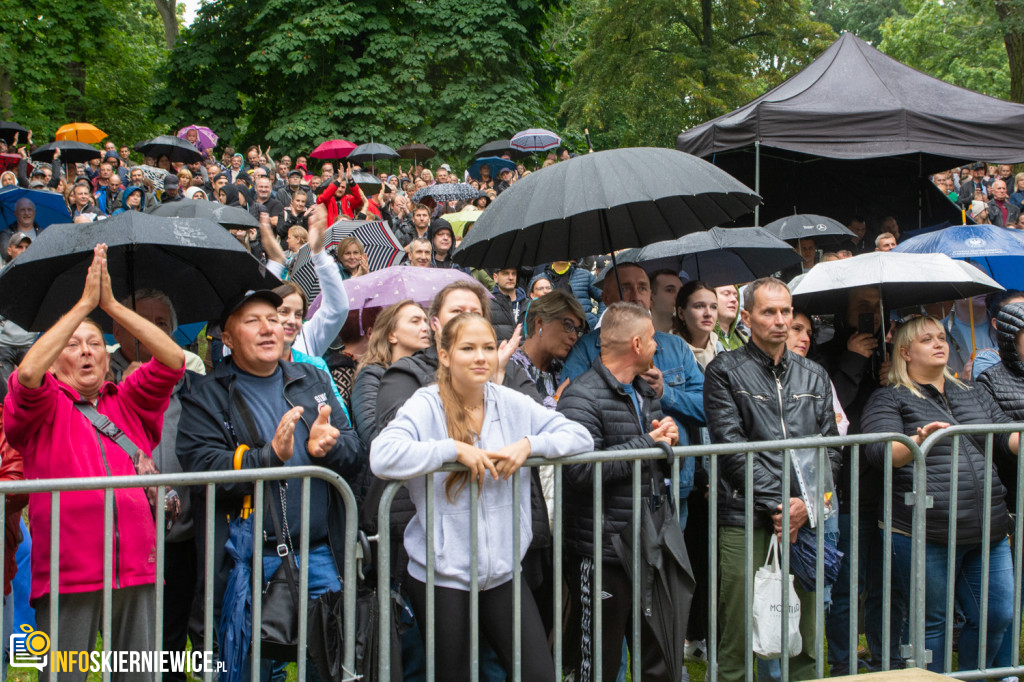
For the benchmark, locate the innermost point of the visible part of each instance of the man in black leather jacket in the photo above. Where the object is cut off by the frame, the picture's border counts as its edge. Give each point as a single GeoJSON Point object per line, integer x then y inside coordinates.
{"type": "Point", "coordinates": [762, 391]}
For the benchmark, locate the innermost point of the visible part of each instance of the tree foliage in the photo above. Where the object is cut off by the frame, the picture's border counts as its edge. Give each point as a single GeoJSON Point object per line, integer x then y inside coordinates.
{"type": "Point", "coordinates": [862, 18]}
{"type": "Point", "coordinates": [451, 74]}
{"type": "Point", "coordinates": [651, 68]}
{"type": "Point", "coordinates": [955, 40]}
{"type": "Point", "coordinates": [81, 60]}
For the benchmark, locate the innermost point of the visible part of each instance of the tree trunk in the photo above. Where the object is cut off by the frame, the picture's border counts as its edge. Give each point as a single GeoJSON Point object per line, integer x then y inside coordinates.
{"type": "Point", "coordinates": [5, 93]}
{"type": "Point", "coordinates": [1013, 38]}
{"type": "Point", "coordinates": [707, 48]}
{"type": "Point", "coordinates": [169, 14]}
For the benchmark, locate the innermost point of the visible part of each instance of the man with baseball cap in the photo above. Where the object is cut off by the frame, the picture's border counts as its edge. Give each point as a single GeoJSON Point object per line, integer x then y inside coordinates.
{"type": "Point", "coordinates": [256, 410]}
{"type": "Point", "coordinates": [506, 176]}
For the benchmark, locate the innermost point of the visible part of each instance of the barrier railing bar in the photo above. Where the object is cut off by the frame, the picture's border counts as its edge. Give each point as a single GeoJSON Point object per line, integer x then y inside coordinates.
{"type": "Point", "coordinates": [634, 653]}
{"type": "Point", "coordinates": [161, 537]}
{"type": "Point", "coordinates": [821, 462]}
{"type": "Point", "coordinates": [517, 580]}
{"type": "Point", "coordinates": [108, 573]}
{"type": "Point", "coordinates": [211, 511]}
{"type": "Point", "coordinates": [557, 567]}
{"type": "Point", "coordinates": [748, 568]}
{"type": "Point", "coordinates": [986, 548]}
{"type": "Point", "coordinates": [597, 584]}
{"type": "Point", "coordinates": [474, 581]}
{"type": "Point", "coordinates": [954, 494]}
{"type": "Point", "coordinates": [787, 463]}
{"type": "Point", "coordinates": [854, 559]}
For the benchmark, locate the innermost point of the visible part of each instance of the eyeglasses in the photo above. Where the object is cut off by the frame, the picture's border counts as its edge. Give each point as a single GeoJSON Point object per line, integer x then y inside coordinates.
{"type": "Point", "coordinates": [570, 328]}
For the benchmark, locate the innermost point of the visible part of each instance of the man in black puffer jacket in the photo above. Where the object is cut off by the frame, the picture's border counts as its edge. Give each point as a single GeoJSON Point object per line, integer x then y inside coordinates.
{"type": "Point", "coordinates": [621, 411]}
{"type": "Point", "coordinates": [762, 391]}
{"type": "Point", "coordinates": [1005, 383]}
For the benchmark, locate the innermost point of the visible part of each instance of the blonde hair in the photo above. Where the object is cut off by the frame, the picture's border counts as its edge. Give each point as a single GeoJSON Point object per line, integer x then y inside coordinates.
{"type": "Point", "coordinates": [378, 349]}
{"type": "Point", "coordinates": [343, 247]}
{"type": "Point", "coordinates": [455, 413]}
{"type": "Point", "coordinates": [899, 373]}
{"type": "Point", "coordinates": [300, 232]}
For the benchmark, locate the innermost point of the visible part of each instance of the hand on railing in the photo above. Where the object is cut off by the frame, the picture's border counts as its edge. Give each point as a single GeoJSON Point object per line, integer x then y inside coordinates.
{"type": "Point", "coordinates": [511, 457]}
{"type": "Point", "coordinates": [476, 460]}
{"type": "Point", "coordinates": [665, 431]}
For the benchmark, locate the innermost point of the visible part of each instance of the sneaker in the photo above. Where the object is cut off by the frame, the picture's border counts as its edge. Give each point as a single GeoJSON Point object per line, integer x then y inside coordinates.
{"type": "Point", "coordinates": [697, 650]}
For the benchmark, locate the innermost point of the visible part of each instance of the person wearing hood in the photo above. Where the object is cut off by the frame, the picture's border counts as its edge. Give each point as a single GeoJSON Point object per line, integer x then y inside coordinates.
{"type": "Point", "coordinates": [196, 194]}
{"type": "Point", "coordinates": [442, 238]}
{"type": "Point", "coordinates": [133, 199]}
{"type": "Point", "coordinates": [229, 195]}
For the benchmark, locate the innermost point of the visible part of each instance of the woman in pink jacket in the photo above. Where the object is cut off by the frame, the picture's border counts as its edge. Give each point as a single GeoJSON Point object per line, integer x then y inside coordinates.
{"type": "Point", "coordinates": [65, 369]}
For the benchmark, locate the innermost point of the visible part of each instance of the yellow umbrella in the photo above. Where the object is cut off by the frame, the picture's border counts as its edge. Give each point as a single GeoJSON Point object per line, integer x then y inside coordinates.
{"type": "Point", "coordinates": [80, 132]}
{"type": "Point", "coordinates": [460, 220]}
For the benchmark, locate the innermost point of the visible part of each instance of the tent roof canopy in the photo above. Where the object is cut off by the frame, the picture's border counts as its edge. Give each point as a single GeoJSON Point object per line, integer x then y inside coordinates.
{"type": "Point", "coordinates": [853, 102]}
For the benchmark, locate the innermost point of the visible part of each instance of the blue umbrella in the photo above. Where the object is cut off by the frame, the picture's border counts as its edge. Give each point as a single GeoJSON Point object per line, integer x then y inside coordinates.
{"type": "Point", "coordinates": [495, 163]}
{"type": "Point", "coordinates": [50, 206]}
{"type": "Point", "coordinates": [235, 627]}
{"type": "Point", "coordinates": [186, 334]}
{"type": "Point", "coordinates": [803, 555]}
{"type": "Point", "coordinates": [997, 251]}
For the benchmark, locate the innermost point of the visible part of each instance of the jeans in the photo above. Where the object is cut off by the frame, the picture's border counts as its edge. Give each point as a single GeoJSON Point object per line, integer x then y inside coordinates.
{"type": "Point", "coordinates": [967, 592]}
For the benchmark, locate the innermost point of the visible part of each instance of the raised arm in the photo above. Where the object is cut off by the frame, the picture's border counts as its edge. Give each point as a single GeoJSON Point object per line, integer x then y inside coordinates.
{"type": "Point", "coordinates": [45, 350]}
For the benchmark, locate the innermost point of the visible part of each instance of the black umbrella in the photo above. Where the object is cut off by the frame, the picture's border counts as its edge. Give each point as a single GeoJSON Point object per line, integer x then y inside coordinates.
{"type": "Point", "coordinates": [226, 216]}
{"type": "Point", "coordinates": [447, 191]}
{"type": "Point", "coordinates": [370, 152]}
{"type": "Point", "coordinates": [808, 226]}
{"type": "Point", "coordinates": [499, 148]}
{"type": "Point", "coordinates": [666, 578]}
{"type": "Point", "coordinates": [8, 129]}
{"type": "Point", "coordinates": [196, 262]}
{"type": "Point", "coordinates": [720, 256]}
{"type": "Point", "coordinates": [70, 152]}
{"type": "Point", "coordinates": [598, 203]}
{"type": "Point", "coordinates": [175, 148]}
{"type": "Point", "coordinates": [368, 182]}
{"type": "Point", "coordinates": [416, 152]}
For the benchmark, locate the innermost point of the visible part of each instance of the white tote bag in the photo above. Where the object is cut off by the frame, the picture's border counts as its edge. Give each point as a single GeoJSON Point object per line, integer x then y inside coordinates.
{"type": "Point", "coordinates": [768, 608]}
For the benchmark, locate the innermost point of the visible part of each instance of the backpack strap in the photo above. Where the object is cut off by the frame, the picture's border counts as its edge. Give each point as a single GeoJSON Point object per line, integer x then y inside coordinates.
{"type": "Point", "coordinates": [106, 427]}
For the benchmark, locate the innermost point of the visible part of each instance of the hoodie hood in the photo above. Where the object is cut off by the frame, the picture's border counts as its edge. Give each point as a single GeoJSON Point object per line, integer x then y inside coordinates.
{"type": "Point", "coordinates": [128, 191]}
{"type": "Point", "coordinates": [1009, 323]}
{"type": "Point", "coordinates": [230, 195]}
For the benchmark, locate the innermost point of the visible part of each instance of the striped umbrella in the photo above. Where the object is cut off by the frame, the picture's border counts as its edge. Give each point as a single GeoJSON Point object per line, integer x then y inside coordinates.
{"type": "Point", "coordinates": [535, 140]}
{"type": "Point", "coordinates": [382, 250]}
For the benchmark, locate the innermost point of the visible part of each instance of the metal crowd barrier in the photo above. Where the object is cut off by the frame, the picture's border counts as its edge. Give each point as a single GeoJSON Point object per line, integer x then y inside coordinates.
{"type": "Point", "coordinates": [914, 651]}
{"type": "Point", "coordinates": [54, 487]}
{"type": "Point", "coordinates": [1016, 508]}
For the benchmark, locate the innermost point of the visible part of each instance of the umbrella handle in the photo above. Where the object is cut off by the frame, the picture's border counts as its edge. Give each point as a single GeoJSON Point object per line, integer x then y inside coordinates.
{"type": "Point", "coordinates": [237, 465]}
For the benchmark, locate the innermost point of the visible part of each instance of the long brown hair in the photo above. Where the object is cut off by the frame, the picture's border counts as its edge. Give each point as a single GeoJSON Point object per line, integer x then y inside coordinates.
{"type": "Point", "coordinates": [378, 349]}
{"type": "Point", "coordinates": [455, 413]}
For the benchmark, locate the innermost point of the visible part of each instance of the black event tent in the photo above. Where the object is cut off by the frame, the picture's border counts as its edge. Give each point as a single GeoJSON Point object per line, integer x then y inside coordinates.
{"type": "Point", "coordinates": [858, 133]}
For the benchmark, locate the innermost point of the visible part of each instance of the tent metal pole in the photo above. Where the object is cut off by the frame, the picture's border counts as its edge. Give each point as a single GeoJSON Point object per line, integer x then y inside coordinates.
{"type": "Point", "coordinates": [757, 182]}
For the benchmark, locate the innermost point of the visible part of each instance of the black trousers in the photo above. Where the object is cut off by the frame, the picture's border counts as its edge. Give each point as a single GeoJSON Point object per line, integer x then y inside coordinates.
{"type": "Point", "coordinates": [616, 594]}
{"type": "Point", "coordinates": [451, 643]}
{"type": "Point", "coordinates": [180, 578]}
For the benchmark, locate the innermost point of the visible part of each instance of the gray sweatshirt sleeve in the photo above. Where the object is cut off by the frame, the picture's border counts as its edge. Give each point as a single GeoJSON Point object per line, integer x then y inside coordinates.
{"type": "Point", "coordinates": [414, 443]}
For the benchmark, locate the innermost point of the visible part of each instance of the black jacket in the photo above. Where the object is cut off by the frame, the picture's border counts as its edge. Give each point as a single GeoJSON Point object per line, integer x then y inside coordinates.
{"type": "Point", "coordinates": [1005, 383]}
{"type": "Point", "coordinates": [506, 313]}
{"type": "Point", "coordinates": [596, 400]}
{"type": "Point", "coordinates": [748, 398]}
{"type": "Point", "coordinates": [855, 378]}
{"type": "Point", "coordinates": [210, 428]}
{"type": "Point", "coordinates": [895, 408]}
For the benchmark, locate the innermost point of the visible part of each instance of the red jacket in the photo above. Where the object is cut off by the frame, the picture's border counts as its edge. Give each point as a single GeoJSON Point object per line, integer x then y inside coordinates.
{"type": "Point", "coordinates": [10, 470]}
{"type": "Point", "coordinates": [351, 202]}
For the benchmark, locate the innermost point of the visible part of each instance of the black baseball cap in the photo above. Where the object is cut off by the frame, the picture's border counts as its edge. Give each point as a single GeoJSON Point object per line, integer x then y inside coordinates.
{"type": "Point", "coordinates": [250, 295]}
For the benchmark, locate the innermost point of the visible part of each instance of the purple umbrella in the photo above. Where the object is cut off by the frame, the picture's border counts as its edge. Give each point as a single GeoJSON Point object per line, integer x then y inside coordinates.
{"type": "Point", "coordinates": [207, 138]}
{"type": "Point", "coordinates": [388, 286]}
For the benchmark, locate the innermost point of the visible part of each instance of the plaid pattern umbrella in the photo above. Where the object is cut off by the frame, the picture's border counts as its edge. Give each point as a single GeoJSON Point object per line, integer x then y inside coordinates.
{"type": "Point", "coordinates": [382, 250]}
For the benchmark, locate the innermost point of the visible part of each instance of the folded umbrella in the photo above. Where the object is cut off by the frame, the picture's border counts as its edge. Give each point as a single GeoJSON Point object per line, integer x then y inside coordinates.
{"type": "Point", "coordinates": [79, 132]}
{"type": "Point", "coordinates": [719, 256]}
{"type": "Point", "coordinates": [226, 216]}
{"type": "Point", "coordinates": [495, 163]}
{"type": "Point", "coordinates": [50, 207]}
{"type": "Point", "coordinates": [534, 140]}
{"type": "Point", "coordinates": [599, 203]}
{"type": "Point", "coordinates": [196, 262]}
{"type": "Point", "coordinates": [70, 152]}
{"type": "Point", "coordinates": [234, 631]}
{"type": "Point", "coordinates": [803, 555]}
{"type": "Point", "coordinates": [175, 148]}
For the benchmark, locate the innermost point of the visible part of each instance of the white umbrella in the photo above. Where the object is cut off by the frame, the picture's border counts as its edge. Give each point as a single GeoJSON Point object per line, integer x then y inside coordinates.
{"type": "Point", "coordinates": [535, 140]}
{"type": "Point", "coordinates": [904, 279]}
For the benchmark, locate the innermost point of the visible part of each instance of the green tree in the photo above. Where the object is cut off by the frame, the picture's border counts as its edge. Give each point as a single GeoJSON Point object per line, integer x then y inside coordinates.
{"type": "Point", "coordinates": [451, 74]}
{"type": "Point", "coordinates": [651, 68]}
{"type": "Point", "coordinates": [80, 60]}
{"type": "Point", "coordinates": [955, 40]}
{"type": "Point", "coordinates": [862, 18]}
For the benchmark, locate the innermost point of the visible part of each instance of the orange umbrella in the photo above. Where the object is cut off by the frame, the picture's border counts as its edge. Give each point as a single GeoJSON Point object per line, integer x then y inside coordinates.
{"type": "Point", "coordinates": [80, 132]}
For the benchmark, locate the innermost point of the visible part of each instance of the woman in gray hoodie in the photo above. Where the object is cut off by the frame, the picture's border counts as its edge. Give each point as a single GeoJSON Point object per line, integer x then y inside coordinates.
{"type": "Point", "coordinates": [491, 430]}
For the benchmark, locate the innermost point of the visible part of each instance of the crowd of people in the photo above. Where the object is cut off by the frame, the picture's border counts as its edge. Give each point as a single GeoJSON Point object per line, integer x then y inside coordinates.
{"type": "Point", "coordinates": [504, 364]}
